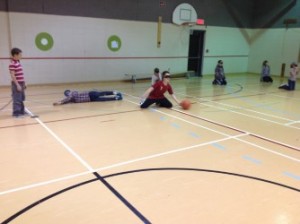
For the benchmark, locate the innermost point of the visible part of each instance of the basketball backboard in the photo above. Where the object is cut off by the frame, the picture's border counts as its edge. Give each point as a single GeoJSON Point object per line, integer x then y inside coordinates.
{"type": "Point", "coordinates": [183, 14]}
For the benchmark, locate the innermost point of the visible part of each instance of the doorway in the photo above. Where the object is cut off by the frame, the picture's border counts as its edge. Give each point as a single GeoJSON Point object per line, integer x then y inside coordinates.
{"type": "Point", "coordinates": [196, 46]}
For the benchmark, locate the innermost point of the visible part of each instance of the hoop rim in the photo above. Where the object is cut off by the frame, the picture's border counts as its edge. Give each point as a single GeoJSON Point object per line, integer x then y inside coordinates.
{"type": "Point", "coordinates": [188, 23]}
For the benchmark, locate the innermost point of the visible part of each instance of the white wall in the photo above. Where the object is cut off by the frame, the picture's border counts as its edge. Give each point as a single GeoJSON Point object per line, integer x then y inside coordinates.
{"type": "Point", "coordinates": [87, 37]}
{"type": "Point", "coordinates": [4, 49]}
{"type": "Point", "coordinates": [229, 45]}
{"type": "Point", "coordinates": [275, 45]}
{"type": "Point", "coordinates": [242, 50]}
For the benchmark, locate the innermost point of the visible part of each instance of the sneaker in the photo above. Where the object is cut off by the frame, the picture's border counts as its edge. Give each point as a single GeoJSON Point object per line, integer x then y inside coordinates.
{"type": "Point", "coordinates": [282, 86]}
{"type": "Point", "coordinates": [119, 97]}
{"type": "Point", "coordinates": [24, 113]}
{"type": "Point", "coordinates": [142, 101]}
{"type": "Point", "coordinates": [18, 116]}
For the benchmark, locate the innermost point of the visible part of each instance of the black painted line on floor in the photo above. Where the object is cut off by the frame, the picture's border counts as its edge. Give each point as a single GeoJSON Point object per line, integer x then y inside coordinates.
{"type": "Point", "coordinates": [204, 170]}
{"type": "Point", "coordinates": [121, 198]}
{"type": "Point", "coordinates": [39, 202]}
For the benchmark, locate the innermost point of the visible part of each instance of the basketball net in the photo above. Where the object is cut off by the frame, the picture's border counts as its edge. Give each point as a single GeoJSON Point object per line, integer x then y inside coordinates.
{"type": "Point", "coordinates": [187, 26]}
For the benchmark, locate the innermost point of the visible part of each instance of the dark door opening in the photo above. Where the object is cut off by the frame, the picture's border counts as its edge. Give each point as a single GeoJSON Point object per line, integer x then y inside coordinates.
{"type": "Point", "coordinates": [196, 46]}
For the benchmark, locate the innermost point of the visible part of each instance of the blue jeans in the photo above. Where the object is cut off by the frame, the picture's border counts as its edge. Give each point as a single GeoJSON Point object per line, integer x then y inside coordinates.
{"type": "Point", "coordinates": [292, 84]}
{"type": "Point", "coordinates": [289, 86]}
{"type": "Point", "coordinates": [18, 99]}
{"type": "Point", "coordinates": [102, 96]}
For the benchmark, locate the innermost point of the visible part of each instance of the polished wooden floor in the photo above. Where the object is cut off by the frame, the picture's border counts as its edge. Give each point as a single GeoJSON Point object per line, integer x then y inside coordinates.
{"type": "Point", "coordinates": [233, 158]}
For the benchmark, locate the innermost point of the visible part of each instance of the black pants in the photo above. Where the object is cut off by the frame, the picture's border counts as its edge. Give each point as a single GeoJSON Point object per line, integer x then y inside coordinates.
{"type": "Point", "coordinates": [266, 79]}
{"type": "Point", "coordinates": [221, 81]}
{"type": "Point", "coordinates": [163, 102]}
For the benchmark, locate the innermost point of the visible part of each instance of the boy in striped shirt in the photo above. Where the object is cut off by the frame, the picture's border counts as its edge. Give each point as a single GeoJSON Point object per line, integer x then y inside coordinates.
{"type": "Point", "coordinates": [17, 82]}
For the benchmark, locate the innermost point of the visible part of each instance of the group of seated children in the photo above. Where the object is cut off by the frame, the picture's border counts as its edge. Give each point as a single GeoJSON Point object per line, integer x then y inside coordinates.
{"type": "Point", "coordinates": [220, 78]}
{"type": "Point", "coordinates": [290, 85]}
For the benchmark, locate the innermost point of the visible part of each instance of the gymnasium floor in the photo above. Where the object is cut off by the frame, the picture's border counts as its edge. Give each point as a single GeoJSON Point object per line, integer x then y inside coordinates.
{"type": "Point", "coordinates": [233, 158]}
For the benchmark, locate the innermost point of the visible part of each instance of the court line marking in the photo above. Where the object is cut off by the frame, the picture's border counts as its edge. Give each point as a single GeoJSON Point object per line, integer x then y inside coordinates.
{"type": "Point", "coordinates": [91, 170]}
{"type": "Point", "coordinates": [285, 97]}
{"type": "Point", "coordinates": [241, 108]}
{"type": "Point", "coordinates": [254, 111]}
{"type": "Point", "coordinates": [252, 116]}
{"type": "Point", "coordinates": [72, 187]}
{"type": "Point", "coordinates": [117, 165]}
{"type": "Point", "coordinates": [291, 123]}
{"type": "Point", "coordinates": [270, 140]}
{"type": "Point", "coordinates": [44, 183]}
{"type": "Point", "coordinates": [69, 149]}
{"type": "Point", "coordinates": [192, 123]}
{"type": "Point", "coordinates": [269, 150]}
{"type": "Point", "coordinates": [84, 163]}
{"type": "Point", "coordinates": [219, 146]}
{"type": "Point", "coordinates": [278, 110]}
{"type": "Point", "coordinates": [291, 175]}
{"type": "Point", "coordinates": [141, 159]}
{"type": "Point", "coordinates": [248, 133]}
{"type": "Point", "coordinates": [169, 152]}
{"type": "Point", "coordinates": [251, 159]}
{"type": "Point", "coordinates": [221, 124]}
{"type": "Point", "coordinates": [237, 129]}
{"type": "Point", "coordinates": [122, 199]}
{"type": "Point", "coordinates": [208, 120]}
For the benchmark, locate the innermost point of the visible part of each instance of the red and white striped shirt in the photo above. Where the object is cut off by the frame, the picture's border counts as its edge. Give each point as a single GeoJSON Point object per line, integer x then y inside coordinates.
{"type": "Point", "coordinates": [17, 68]}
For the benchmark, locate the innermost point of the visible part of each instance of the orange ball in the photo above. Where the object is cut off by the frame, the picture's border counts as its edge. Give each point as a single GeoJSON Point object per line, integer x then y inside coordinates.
{"type": "Point", "coordinates": [185, 104]}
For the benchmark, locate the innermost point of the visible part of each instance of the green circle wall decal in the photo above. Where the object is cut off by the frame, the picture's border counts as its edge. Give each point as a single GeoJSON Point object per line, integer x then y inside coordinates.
{"type": "Point", "coordinates": [44, 41]}
{"type": "Point", "coordinates": [114, 43]}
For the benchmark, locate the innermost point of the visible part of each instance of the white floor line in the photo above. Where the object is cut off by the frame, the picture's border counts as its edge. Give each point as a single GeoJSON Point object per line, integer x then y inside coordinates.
{"type": "Point", "coordinates": [205, 119]}
{"type": "Point", "coordinates": [256, 117]}
{"type": "Point", "coordinates": [268, 115]}
{"type": "Point", "coordinates": [225, 125]}
{"type": "Point", "coordinates": [90, 170]}
{"type": "Point", "coordinates": [192, 123]}
{"type": "Point", "coordinates": [169, 152]}
{"type": "Point", "coordinates": [291, 123]}
{"type": "Point", "coordinates": [69, 149]}
{"type": "Point", "coordinates": [269, 150]}
{"type": "Point", "coordinates": [117, 165]}
{"type": "Point", "coordinates": [44, 183]}
{"type": "Point", "coordinates": [285, 97]}
{"type": "Point", "coordinates": [244, 109]}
